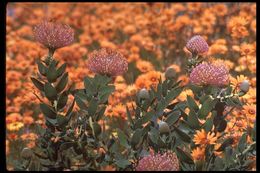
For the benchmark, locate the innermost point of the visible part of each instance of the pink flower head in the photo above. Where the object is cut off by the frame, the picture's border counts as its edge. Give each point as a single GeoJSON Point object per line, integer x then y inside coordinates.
{"type": "Point", "coordinates": [210, 74]}
{"type": "Point", "coordinates": [159, 162]}
{"type": "Point", "coordinates": [197, 45]}
{"type": "Point", "coordinates": [53, 35]}
{"type": "Point", "coordinates": [107, 61]}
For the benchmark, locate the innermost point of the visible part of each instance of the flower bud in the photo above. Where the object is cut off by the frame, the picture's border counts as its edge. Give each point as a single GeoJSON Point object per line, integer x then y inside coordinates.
{"type": "Point", "coordinates": [164, 127]}
{"type": "Point", "coordinates": [26, 153]}
{"type": "Point", "coordinates": [170, 73]}
{"type": "Point", "coordinates": [143, 94]}
{"type": "Point", "coordinates": [244, 86]}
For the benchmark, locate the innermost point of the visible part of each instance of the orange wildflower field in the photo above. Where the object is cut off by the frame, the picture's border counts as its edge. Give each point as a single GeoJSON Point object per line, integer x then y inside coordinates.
{"type": "Point", "coordinates": [131, 86]}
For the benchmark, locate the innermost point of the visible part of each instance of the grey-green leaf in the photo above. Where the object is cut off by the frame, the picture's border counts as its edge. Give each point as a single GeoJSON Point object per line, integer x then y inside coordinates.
{"type": "Point", "coordinates": [62, 101]}
{"type": "Point", "coordinates": [207, 106]}
{"type": "Point", "coordinates": [52, 74]}
{"type": "Point", "coordinates": [38, 84]}
{"type": "Point", "coordinates": [62, 83]}
{"type": "Point", "coordinates": [50, 92]}
{"type": "Point", "coordinates": [61, 69]}
{"type": "Point", "coordinates": [47, 111]}
{"type": "Point", "coordinates": [184, 156]}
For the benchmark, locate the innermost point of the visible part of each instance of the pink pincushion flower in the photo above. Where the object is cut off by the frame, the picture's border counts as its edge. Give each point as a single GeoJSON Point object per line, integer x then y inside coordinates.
{"type": "Point", "coordinates": [210, 74]}
{"type": "Point", "coordinates": [197, 45]}
{"type": "Point", "coordinates": [107, 61]}
{"type": "Point", "coordinates": [53, 35]}
{"type": "Point", "coordinates": [159, 162]}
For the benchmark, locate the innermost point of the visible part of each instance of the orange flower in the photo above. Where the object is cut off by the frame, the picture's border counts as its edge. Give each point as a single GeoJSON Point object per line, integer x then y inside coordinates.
{"type": "Point", "coordinates": [15, 126]}
{"type": "Point", "coordinates": [120, 111]}
{"type": "Point", "coordinates": [203, 138]}
{"type": "Point", "coordinates": [198, 154]}
{"type": "Point", "coordinates": [28, 120]}
{"type": "Point", "coordinates": [13, 117]}
{"type": "Point", "coordinates": [237, 27]}
{"type": "Point", "coordinates": [247, 49]}
{"type": "Point", "coordinates": [141, 82]}
{"type": "Point", "coordinates": [144, 66]}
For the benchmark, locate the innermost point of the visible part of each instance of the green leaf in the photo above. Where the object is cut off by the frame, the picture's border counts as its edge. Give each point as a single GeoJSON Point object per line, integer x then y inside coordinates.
{"type": "Point", "coordinates": [47, 111]}
{"type": "Point", "coordinates": [100, 113]}
{"type": "Point", "coordinates": [147, 117]}
{"type": "Point", "coordinates": [40, 129]}
{"type": "Point", "coordinates": [66, 145]}
{"type": "Point", "coordinates": [89, 85]}
{"type": "Point", "coordinates": [242, 143]}
{"type": "Point", "coordinates": [62, 101]}
{"type": "Point", "coordinates": [93, 105]}
{"type": "Point", "coordinates": [192, 104]}
{"type": "Point", "coordinates": [193, 119]}
{"type": "Point", "coordinates": [53, 122]}
{"type": "Point", "coordinates": [52, 74]}
{"type": "Point", "coordinates": [129, 115]}
{"type": "Point", "coordinates": [122, 163]}
{"type": "Point", "coordinates": [122, 138]}
{"type": "Point", "coordinates": [222, 125]}
{"type": "Point", "coordinates": [68, 114]}
{"type": "Point", "coordinates": [234, 102]}
{"type": "Point", "coordinates": [183, 136]}
{"type": "Point", "coordinates": [173, 117]}
{"type": "Point", "coordinates": [61, 120]}
{"type": "Point", "coordinates": [195, 88]}
{"type": "Point", "coordinates": [46, 162]}
{"type": "Point", "coordinates": [40, 153]}
{"type": "Point", "coordinates": [106, 89]}
{"type": "Point", "coordinates": [136, 138]}
{"type": "Point", "coordinates": [62, 83]}
{"type": "Point", "coordinates": [207, 106]}
{"type": "Point", "coordinates": [172, 95]}
{"type": "Point", "coordinates": [50, 92]}
{"type": "Point", "coordinates": [172, 106]}
{"type": "Point", "coordinates": [154, 135]}
{"type": "Point", "coordinates": [208, 124]}
{"type": "Point", "coordinates": [61, 69]}
{"type": "Point", "coordinates": [38, 84]}
{"type": "Point", "coordinates": [184, 156]}
{"type": "Point", "coordinates": [164, 88]}
{"type": "Point", "coordinates": [42, 68]}
{"type": "Point", "coordinates": [96, 129]}
{"type": "Point", "coordinates": [80, 103]}
{"type": "Point", "coordinates": [226, 143]}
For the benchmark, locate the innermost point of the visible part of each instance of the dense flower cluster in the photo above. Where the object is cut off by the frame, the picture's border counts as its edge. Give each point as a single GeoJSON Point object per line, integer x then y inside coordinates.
{"type": "Point", "coordinates": [197, 45]}
{"type": "Point", "coordinates": [107, 61]}
{"type": "Point", "coordinates": [53, 35]}
{"type": "Point", "coordinates": [210, 74]}
{"type": "Point", "coordinates": [159, 162]}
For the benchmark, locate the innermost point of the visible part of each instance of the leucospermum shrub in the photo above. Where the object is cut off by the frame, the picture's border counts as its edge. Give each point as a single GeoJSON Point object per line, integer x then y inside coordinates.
{"type": "Point", "coordinates": [113, 94]}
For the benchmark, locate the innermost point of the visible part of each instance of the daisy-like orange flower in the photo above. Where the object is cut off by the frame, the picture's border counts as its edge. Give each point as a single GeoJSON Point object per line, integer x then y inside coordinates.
{"type": "Point", "coordinates": [144, 66]}
{"type": "Point", "coordinates": [141, 82]}
{"type": "Point", "coordinates": [247, 49]}
{"type": "Point", "coordinates": [15, 126]}
{"type": "Point", "coordinates": [204, 138]}
{"type": "Point", "coordinates": [198, 153]}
